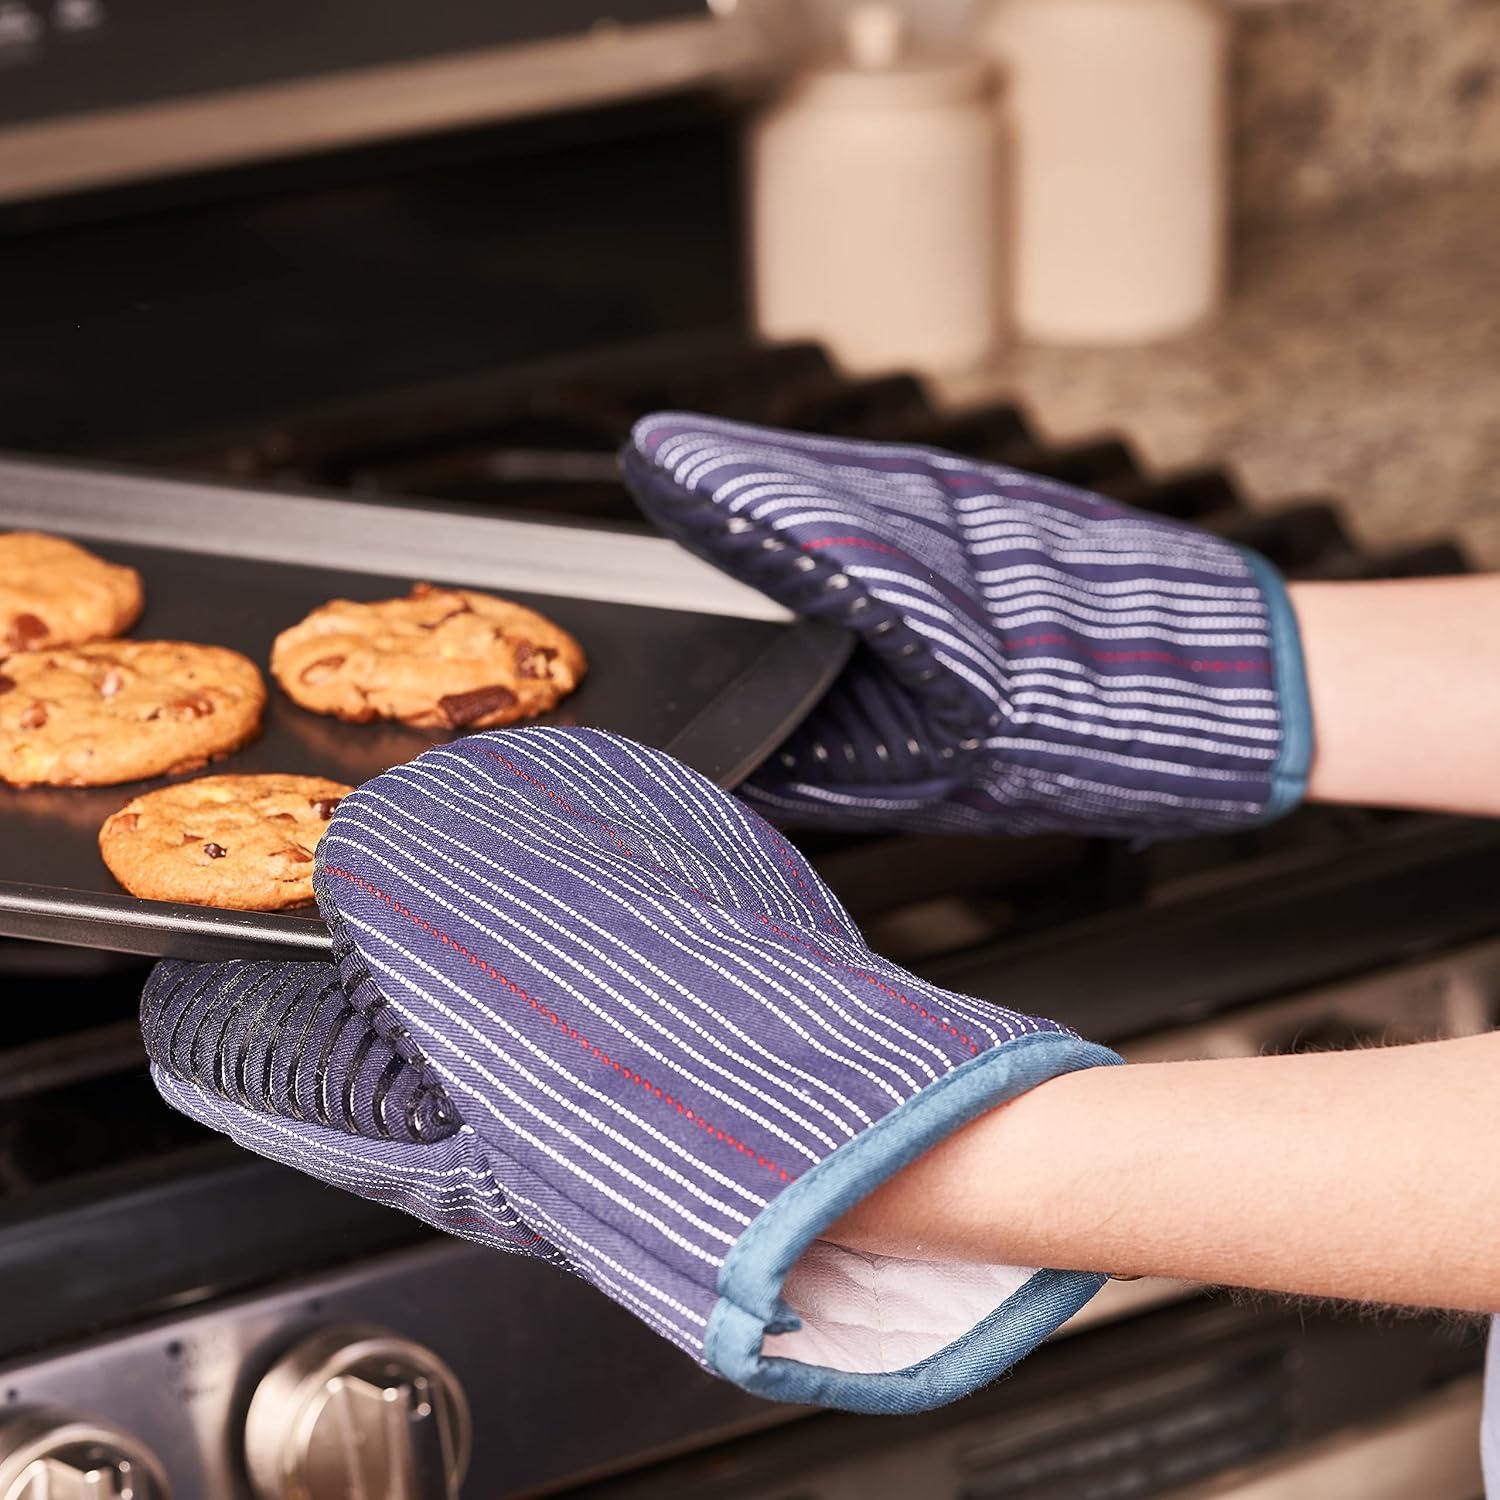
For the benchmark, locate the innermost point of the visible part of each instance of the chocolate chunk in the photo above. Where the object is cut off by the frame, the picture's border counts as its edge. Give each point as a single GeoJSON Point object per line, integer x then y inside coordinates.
{"type": "Point", "coordinates": [24, 629]}
{"type": "Point", "coordinates": [193, 706]}
{"type": "Point", "coordinates": [34, 717]}
{"type": "Point", "coordinates": [533, 661]}
{"type": "Point", "coordinates": [6, 683]}
{"type": "Point", "coordinates": [215, 851]}
{"type": "Point", "coordinates": [324, 806]}
{"type": "Point", "coordinates": [459, 709]}
{"type": "Point", "coordinates": [322, 669]}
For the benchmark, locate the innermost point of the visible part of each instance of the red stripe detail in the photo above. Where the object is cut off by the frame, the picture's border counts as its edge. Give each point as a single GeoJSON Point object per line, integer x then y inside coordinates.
{"type": "Point", "coordinates": [879, 983]}
{"type": "Point", "coordinates": [572, 1033]}
{"type": "Point", "coordinates": [612, 834]}
{"type": "Point", "coordinates": [468, 1220]}
{"type": "Point", "coordinates": [817, 543]}
{"type": "Point", "coordinates": [789, 860]}
{"type": "Point", "coordinates": [783, 848]}
{"type": "Point", "coordinates": [1165, 658]}
{"type": "Point", "coordinates": [566, 806]}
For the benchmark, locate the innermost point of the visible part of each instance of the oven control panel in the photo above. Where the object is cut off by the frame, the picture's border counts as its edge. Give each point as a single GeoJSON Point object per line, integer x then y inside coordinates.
{"type": "Point", "coordinates": [52, 1455]}
{"type": "Point", "coordinates": [360, 1412]}
{"type": "Point", "coordinates": [360, 1383]}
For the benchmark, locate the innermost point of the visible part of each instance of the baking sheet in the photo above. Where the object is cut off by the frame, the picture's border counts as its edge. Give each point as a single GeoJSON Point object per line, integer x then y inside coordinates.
{"type": "Point", "coordinates": [718, 689]}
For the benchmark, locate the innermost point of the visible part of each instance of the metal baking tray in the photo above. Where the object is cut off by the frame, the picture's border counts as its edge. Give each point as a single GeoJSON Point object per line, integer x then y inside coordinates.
{"type": "Point", "coordinates": [680, 657]}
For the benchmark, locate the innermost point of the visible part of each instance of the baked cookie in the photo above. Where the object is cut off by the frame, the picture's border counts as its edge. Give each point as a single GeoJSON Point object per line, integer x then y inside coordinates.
{"type": "Point", "coordinates": [437, 659]}
{"type": "Point", "coordinates": [244, 842]}
{"type": "Point", "coordinates": [123, 710]}
{"type": "Point", "coordinates": [53, 593]}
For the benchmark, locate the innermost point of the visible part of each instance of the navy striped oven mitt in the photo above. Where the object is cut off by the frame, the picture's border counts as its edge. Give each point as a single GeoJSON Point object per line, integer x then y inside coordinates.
{"type": "Point", "coordinates": [587, 1006]}
{"type": "Point", "coordinates": [1032, 658]}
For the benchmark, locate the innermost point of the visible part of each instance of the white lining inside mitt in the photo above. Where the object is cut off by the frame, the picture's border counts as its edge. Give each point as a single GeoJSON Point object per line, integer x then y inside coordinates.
{"type": "Point", "coordinates": [876, 1314]}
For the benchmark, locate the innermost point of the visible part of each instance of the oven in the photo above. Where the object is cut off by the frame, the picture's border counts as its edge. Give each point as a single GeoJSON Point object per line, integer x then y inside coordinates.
{"type": "Point", "coordinates": [416, 264]}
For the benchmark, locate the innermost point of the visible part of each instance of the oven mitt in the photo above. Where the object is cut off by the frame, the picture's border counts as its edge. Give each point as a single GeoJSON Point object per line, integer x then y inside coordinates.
{"type": "Point", "coordinates": [590, 1007]}
{"type": "Point", "coordinates": [1032, 657]}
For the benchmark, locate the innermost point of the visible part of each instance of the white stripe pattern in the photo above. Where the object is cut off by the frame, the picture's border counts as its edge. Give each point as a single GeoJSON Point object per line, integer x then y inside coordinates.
{"type": "Point", "coordinates": [1039, 657]}
{"type": "Point", "coordinates": [648, 1015]}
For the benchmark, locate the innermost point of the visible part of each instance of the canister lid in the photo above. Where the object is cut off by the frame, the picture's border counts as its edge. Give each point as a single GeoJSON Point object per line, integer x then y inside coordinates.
{"type": "Point", "coordinates": [881, 67]}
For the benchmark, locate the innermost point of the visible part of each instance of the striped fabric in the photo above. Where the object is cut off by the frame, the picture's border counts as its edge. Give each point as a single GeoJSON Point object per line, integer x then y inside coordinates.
{"type": "Point", "coordinates": [590, 1007]}
{"type": "Point", "coordinates": [1034, 657]}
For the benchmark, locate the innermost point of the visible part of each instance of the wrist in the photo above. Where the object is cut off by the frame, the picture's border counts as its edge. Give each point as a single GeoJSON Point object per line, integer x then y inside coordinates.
{"type": "Point", "coordinates": [993, 1189]}
{"type": "Point", "coordinates": [1397, 672]}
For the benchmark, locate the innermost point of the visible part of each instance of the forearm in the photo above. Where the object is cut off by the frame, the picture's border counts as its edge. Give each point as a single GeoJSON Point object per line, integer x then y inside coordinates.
{"type": "Point", "coordinates": [1370, 1174]}
{"type": "Point", "coordinates": [1403, 678]}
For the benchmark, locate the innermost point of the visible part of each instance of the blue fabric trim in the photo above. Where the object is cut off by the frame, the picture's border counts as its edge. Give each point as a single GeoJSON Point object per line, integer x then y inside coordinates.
{"type": "Point", "coordinates": [1289, 774]}
{"type": "Point", "coordinates": [749, 1284]}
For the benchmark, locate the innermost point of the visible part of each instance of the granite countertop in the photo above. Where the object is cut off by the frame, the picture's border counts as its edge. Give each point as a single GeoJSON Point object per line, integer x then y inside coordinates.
{"type": "Point", "coordinates": [1358, 359]}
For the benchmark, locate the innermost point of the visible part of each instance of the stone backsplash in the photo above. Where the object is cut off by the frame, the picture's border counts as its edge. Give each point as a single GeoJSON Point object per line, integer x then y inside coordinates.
{"type": "Point", "coordinates": [1340, 100]}
{"type": "Point", "coordinates": [1359, 359]}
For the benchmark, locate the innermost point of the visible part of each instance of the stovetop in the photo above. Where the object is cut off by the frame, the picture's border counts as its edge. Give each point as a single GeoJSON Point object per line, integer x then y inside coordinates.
{"type": "Point", "coordinates": [95, 1173]}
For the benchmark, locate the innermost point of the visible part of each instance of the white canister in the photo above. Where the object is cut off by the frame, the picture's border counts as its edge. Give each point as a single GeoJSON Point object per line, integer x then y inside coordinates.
{"type": "Point", "coordinates": [875, 206]}
{"type": "Point", "coordinates": [1118, 109]}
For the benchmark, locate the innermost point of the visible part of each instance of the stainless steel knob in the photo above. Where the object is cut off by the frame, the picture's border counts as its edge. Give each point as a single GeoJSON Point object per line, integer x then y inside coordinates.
{"type": "Point", "coordinates": [361, 1414]}
{"type": "Point", "coordinates": [45, 1455]}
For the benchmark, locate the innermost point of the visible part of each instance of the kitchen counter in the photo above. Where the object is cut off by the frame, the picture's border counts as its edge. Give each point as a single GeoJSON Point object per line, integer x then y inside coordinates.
{"type": "Point", "coordinates": [1359, 359]}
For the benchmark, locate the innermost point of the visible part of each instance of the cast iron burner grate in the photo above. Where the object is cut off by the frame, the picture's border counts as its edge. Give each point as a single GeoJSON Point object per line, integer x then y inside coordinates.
{"type": "Point", "coordinates": [547, 446]}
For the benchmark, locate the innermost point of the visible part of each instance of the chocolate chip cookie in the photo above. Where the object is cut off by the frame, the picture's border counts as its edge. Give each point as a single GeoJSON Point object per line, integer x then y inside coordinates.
{"type": "Point", "coordinates": [244, 842]}
{"type": "Point", "coordinates": [437, 659]}
{"type": "Point", "coordinates": [122, 710]}
{"type": "Point", "coordinates": [54, 593]}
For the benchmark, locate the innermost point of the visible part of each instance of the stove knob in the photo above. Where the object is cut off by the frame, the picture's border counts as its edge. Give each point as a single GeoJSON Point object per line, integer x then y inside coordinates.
{"type": "Point", "coordinates": [45, 1455]}
{"type": "Point", "coordinates": [358, 1413]}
